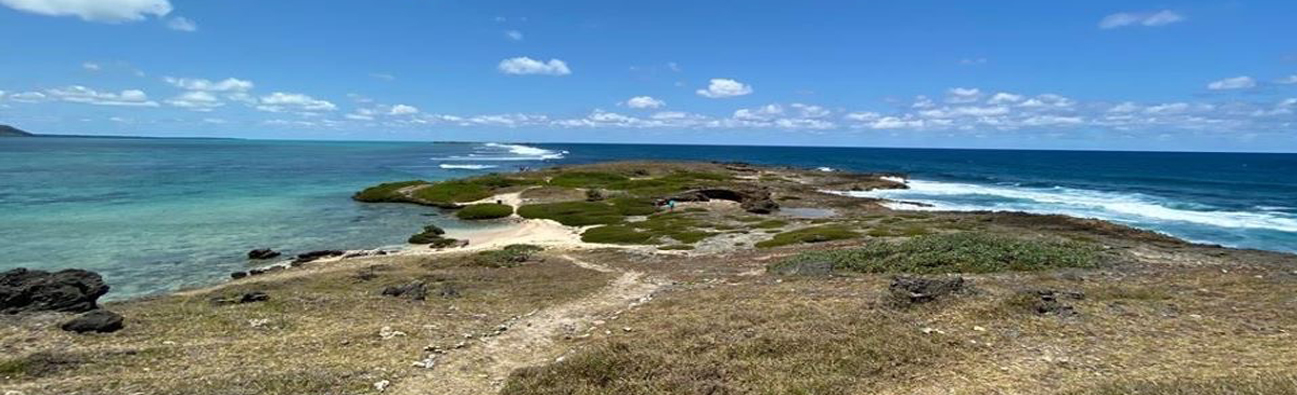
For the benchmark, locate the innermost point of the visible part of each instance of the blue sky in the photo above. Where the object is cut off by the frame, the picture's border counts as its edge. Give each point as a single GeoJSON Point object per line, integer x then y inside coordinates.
{"type": "Point", "coordinates": [1203, 75]}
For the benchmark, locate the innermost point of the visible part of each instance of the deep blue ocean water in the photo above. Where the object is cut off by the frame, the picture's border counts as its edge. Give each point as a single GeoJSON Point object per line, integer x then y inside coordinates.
{"type": "Point", "coordinates": [158, 214]}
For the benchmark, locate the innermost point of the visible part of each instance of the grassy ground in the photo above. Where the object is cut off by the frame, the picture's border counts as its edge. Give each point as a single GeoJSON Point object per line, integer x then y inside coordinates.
{"type": "Point", "coordinates": [956, 253]}
{"type": "Point", "coordinates": [484, 211]}
{"type": "Point", "coordinates": [317, 335]}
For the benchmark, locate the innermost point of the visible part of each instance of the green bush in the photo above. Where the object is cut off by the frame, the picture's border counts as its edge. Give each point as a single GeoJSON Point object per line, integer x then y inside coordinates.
{"type": "Point", "coordinates": [618, 234]}
{"type": "Point", "coordinates": [957, 253]}
{"type": "Point", "coordinates": [454, 191]}
{"type": "Point", "coordinates": [484, 211]}
{"type": "Point", "coordinates": [586, 179]}
{"type": "Point", "coordinates": [656, 229]}
{"type": "Point", "coordinates": [607, 212]}
{"type": "Point", "coordinates": [816, 234]}
{"type": "Point", "coordinates": [385, 192]}
{"type": "Point", "coordinates": [509, 256]}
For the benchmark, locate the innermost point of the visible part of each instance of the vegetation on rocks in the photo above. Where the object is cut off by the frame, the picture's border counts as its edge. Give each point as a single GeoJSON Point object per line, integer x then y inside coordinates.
{"type": "Point", "coordinates": [484, 211]}
{"type": "Point", "coordinates": [815, 234]}
{"type": "Point", "coordinates": [583, 213]}
{"type": "Point", "coordinates": [509, 256]}
{"type": "Point", "coordinates": [654, 230]}
{"type": "Point", "coordinates": [386, 192]}
{"type": "Point", "coordinates": [956, 253]}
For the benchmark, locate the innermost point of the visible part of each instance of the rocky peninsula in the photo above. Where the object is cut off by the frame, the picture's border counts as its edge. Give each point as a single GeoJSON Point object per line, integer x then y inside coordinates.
{"type": "Point", "coordinates": [685, 278]}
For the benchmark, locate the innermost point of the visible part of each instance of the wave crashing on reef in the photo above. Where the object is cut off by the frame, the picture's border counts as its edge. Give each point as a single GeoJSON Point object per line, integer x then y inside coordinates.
{"type": "Point", "coordinates": [506, 152]}
{"type": "Point", "coordinates": [1131, 208]}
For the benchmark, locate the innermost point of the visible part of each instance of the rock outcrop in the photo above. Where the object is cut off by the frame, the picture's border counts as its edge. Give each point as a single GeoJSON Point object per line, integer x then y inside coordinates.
{"type": "Point", "coordinates": [756, 201]}
{"type": "Point", "coordinates": [913, 290]}
{"type": "Point", "coordinates": [262, 253]}
{"type": "Point", "coordinates": [317, 255]}
{"type": "Point", "coordinates": [101, 321]}
{"type": "Point", "coordinates": [72, 290]}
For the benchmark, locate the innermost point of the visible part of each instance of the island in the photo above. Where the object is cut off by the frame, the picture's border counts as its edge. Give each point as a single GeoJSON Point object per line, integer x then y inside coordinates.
{"type": "Point", "coordinates": [695, 278]}
{"type": "Point", "coordinates": [10, 131]}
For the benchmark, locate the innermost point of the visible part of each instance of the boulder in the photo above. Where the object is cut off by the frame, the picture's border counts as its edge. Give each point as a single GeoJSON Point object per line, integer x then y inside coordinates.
{"type": "Point", "coordinates": [913, 290]}
{"type": "Point", "coordinates": [764, 205]}
{"type": "Point", "coordinates": [262, 253]}
{"type": "Point", "coordinates": [101, 321]}
{"type": "Point", "coordinates": [72, 290]}
{"type": "Point", "coordinates": [316, 255]}
{"type": "Point", "coordinates": [238, 275]}
{"type": "Point", "coordinates": [414, 291]}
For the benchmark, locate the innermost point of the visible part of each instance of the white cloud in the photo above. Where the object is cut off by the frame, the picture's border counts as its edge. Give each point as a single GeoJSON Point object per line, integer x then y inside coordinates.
{"type": "Point", "coordinates": [722, 87]}
{"type": "Point", "coordinates": [29, 97]}
{"type": "Point", "coordinates": [963, 95]}
{"type": "Point", "coordinates": [763, 113]}
{"type": "Point", "coordinates": [1004, 98]}
{"type": "Point", "coordinates": [1151, 19]}
{"type": "Point", "coordinates": [1292, 79]}
{"type": "Point", "coordinates": [91, 66]}
{"type": "Point", "coordinates": [183, 24]}
{"type": "Point", "coordinates": [810, 111]}
{"type": "Point", "coordinates": [215, 121]}
{"type": "Point", "coordinates": [109, 11]}
{"type": "Point", "coordinates": [513, 35]}
{"type": "Point", "coordinates": [81, 94]}
{"type": "Point", "coordinates": [196, 100]}
{"type": "Point", "coordinates": [673, 66]}
{"type": "Point", "coordinates": [644, 102]}
{"type": "Point", "coordinates": [401, 109]}
{"type": "Point", "coordinates": [383, 76]}
{"type": "Point", "coordinates": [525, 65]}
{"type": "Point", "coordinates": [972, 61]}
{"type": "Point", "coordinates": [1240, 82]}
{"type": "Point", "coordinates": [198, 84]}
{"type": "Point", "coordinates": [293, 102]}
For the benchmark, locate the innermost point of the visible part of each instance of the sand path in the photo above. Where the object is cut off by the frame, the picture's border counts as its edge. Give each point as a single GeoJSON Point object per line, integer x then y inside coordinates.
{"type": "Point", "coordinates": [482, 367]}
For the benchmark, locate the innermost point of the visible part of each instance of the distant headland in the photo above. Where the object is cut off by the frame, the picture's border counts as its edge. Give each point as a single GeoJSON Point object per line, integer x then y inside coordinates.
{"type": "Point", "coordinates": [10, 131]}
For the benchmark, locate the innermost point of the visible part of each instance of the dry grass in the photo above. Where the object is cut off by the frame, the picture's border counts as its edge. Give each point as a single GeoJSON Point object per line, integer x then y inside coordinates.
{"type": "Point", "coordinates": [320, 333]}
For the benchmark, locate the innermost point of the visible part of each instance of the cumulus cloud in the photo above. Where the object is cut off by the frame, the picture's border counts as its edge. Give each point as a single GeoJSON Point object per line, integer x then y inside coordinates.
{"type": "Point", "coordinates": [196, 100]}
{"type": "Point", "coordinates": [1151, 19]}
{"type": "Point", "coordinates": [107, 11]}
{"type": "Point", "coordinates": [1240, 82]}
{"type": "Point", "coordinates": [81, 94]}
{"type": "Point", "coordinates": [528, 66]}
{"type": "Point", "coordinates": [182, 24]}
{"type": "Point", "coordinates": [29, 97]}
{"type": "Point", "coordinates": [644, 102]}
{"type": "Point", "coordinates": [972, 61]}
{"type": "Point", "coordinates": [402, 109]}
{"type": "Point", "coordinates": [293, 102]}
{"type": "Point", "coordinates": [198, 84]}
{"type": "Point", "coordinates": [720, 88]}
{"type": "Point", "coordinates": [1292, 79]}
{"type": "Point", "coordinates": [963, 95]}
{"type": "Point", "coordinates": [513, 35]}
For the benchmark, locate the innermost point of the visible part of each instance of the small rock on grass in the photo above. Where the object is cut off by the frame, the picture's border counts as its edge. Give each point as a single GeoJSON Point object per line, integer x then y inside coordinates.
{"type": "Point", "coordinates": [416, 290]}
{"type": "Point", "coordinates": [100, 321]}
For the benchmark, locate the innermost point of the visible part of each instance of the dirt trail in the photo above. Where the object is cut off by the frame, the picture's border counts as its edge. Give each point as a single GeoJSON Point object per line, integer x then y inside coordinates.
{"type": "Point", "coordinates": [481, 367]}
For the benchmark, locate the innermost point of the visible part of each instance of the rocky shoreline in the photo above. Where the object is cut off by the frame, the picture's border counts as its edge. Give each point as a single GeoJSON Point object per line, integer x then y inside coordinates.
{"type": "Point", "coordinates": [662, 276]}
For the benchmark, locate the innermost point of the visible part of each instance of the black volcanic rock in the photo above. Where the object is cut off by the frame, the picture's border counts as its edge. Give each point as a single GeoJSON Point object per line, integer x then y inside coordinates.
{"type": "Point", "coordinates": [262, 253]}
{"type": "Point", "coordinates": [102, 321]}
{"type": "Point", "coordinates": [71, 290]}
{"type": "Point", "coordinates": [316, 255]}
{"type": "Point", "coordinates": [10, 131]}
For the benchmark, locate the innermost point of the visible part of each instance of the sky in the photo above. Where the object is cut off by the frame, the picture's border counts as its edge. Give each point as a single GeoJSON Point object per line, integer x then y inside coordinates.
{"type": "Point", "coordinates": [1120, 75]}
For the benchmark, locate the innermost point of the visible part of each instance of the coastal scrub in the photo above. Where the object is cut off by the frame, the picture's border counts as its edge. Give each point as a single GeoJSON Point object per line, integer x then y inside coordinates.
{"type": "Point", "coordinates": [484, 211]}
{"type": "Point", "coordinates": [816, 234]}
{"type": "Point", "coordinates": [955, 253]}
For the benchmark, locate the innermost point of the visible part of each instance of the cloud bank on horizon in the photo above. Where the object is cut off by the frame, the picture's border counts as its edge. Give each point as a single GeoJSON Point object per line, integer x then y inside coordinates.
{"type": "Point", "coordinates": [1104, 74]}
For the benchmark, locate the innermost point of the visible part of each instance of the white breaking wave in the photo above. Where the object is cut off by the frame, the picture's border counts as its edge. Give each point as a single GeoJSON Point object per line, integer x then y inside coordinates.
{"type": "Point", "coordinates": [467, 167]}
{"type": "Point", "coordinates": [1120, 207]}
{"type": "Point", "coordinates": [507, 152]}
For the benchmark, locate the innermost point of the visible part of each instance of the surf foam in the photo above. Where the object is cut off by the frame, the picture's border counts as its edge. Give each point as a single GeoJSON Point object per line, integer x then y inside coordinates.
{"type": "Point", "coordinates": [1119, 207]}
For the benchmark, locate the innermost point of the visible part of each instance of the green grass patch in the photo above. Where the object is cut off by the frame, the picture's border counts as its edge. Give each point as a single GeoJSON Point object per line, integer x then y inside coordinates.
{"type": "Point", "coordinates": [607, 212]}
{"type": "Point", "coordinates": [676, 247]}
{"type": "Point", "coordinates": [770, 224]}
{"type": "Point", "coordinates": [656, 229]}
{"type": "Point", "coordinates": [810, 235]}
{"type": "Point", "coordinates": [957, 253]}
{"type": "Point", "coordinates": [385, 192]}
{"type": "Point", "coordinates": [668, 184]}
{"type": "Point", "coordinates": [510, 256]}
{"type": "Point", "coordinates": [587, 179]}
{"type": "Point", "coordinates": [455, 191]}
{"type": "Point", "coordinates": [484, 211]}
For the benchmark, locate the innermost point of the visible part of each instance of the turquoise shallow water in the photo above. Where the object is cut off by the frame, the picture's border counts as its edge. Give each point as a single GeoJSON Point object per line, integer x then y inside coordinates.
{"type": "Point", "coordinates": [159, 214]}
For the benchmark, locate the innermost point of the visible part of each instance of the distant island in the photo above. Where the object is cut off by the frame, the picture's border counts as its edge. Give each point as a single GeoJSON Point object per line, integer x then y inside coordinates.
{"type": "Point", "coordinates": [10, 131]}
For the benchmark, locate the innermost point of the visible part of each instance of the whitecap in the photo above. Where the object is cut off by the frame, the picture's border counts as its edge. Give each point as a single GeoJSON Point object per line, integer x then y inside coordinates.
{"type": "Point", "coordinates": [1131, 208]}
{"type": "Point", "coordinates": [466, 166]}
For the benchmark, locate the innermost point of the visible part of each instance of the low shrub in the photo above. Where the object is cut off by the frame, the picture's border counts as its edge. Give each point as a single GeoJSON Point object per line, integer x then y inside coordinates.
{"type": "Point", "coordinates": [484, 211]}
{"type": "Point", "coordinates": [958, 253]}
{"type": "Point", "coordinates": [385, 192]}
{"type": "Point", "coordinates": [510, 256]}
{"type": "Point", "coordinates": [810, 235]}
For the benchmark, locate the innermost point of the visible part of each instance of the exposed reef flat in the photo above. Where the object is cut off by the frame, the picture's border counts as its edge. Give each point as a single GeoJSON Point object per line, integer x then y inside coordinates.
{"type": "Point", "coordinates": [702, 278]}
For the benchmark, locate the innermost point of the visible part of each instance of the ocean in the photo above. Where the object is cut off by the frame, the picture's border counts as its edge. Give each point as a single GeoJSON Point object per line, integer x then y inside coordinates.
{"type": "Point", "coordinates": [154, 215]}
